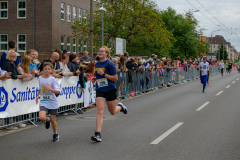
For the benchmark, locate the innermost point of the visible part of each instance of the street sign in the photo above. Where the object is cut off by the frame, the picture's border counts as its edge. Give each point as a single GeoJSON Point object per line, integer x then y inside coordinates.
{"type": "Point", "coordinates": [120, 46]}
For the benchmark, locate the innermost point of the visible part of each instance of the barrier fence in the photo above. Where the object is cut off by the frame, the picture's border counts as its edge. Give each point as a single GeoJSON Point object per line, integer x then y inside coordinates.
{"type": "Point", "coordinates": [17, 107]}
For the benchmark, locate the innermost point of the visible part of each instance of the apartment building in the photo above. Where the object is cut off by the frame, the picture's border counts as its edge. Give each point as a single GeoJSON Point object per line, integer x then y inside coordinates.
{"type": "Point", "coordinates": [42, 24]}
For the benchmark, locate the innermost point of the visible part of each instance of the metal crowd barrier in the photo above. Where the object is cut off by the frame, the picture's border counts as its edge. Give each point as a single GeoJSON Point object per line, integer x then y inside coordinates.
{"type": "Point", "coordinates": [129, 84]}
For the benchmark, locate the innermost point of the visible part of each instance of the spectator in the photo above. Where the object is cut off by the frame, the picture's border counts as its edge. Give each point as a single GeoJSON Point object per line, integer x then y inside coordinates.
{"type": "Point", "coordinates": [85, 58]}
{"type": "Point", "coordinates": [64, 68]}
{"type": "Point", "coordinates": [12, 47]}
{"type": "Point", "coordinates": [91, 68]}
{"type": "Point", "coordinates": [56, 67]}
{"type": "Point", "coordinates": [72, 64]}
{"type": "Point", "coordinates": [83, 76]}
{"type": "Point", "coordinates": [152, 57]}
{"type": "Point", "coordinates": [130, 65]}
{"type": "Point", "coordinates": [5, 74]}
{"type": "Point", "coordinates": [35, 60]}
{"type": "Point", "coordinates": [59, 51]}
{"type": "Point", "coordinates": [123, 64]}
{"type": "Point", "coordinates": [64, 52]}
{"type": "Point", "coordinates": [10, 66]}
{"type": "Point", "coordinates": [33, 54]}
{"type": "Point", "coordinates": [126, 55]}
{"type": "Point", "coordinates": [24, 68]}
{"type": "Point", "coordinates": [142, 60]}
{"type": "Point", "coordinates": [115, 61]}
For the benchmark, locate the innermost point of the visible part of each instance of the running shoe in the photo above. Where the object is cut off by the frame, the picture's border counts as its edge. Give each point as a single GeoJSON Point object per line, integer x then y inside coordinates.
{"type": "Point", "coordinates": [207, 82]}
{"type": "Point", "coordinates": [55, 137]}
{"type": "Point", "coordinates": [124, 109]}
{"type": "Point", "coordinates": [96, 137]}
{"type": "Point", "coordinates": [47, 124]}
{"type": "Point", "coordinates": [203, 91]}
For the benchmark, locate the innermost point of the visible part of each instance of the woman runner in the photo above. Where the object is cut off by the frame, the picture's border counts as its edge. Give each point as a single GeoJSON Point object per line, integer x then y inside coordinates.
{"type": "Point", "coordinates": [106, 90]}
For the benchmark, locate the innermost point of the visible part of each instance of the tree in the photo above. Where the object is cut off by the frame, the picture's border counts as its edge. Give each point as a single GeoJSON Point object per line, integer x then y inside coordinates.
{"type": "Point", "coordinates": [220, 51]}
{"type": "Point", "coordinates": [139, 23]}
{"type": "Point", "coordinates": [185, 36]}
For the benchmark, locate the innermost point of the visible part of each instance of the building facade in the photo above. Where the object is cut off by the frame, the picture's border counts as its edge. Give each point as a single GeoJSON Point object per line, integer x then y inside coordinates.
{"type": "Point", "coordinates": [42, 25]}
{"type": "Point", "coordinates": [216, 42]}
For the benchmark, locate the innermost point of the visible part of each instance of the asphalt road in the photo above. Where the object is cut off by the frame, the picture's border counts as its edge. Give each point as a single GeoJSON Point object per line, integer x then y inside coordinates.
{"type": "Point", "coordinates": [178, 123]}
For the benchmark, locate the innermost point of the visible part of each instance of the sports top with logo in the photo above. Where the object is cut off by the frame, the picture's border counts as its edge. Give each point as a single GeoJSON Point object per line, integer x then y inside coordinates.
{"type": "Point", "coordinates": [47, 98]}
{"type": "Point", "coordinates": [204, 66]}
{"type": "Point", "coordinates": [104, 84]}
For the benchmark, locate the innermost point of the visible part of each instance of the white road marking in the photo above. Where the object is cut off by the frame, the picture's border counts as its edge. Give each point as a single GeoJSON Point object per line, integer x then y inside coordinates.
{"type": "Point", "coordinates": [204, 105]}
{"type": "Point", "coordinates": [237, 79]}
{"type": "Point", "coordinates": [228, 86]}
{"type": "Point", "coordinates": [233, 81]}
{"type": "Point", "coordinates": [219, 93]}
{"type": "Point", "coordinates": [164, 135]}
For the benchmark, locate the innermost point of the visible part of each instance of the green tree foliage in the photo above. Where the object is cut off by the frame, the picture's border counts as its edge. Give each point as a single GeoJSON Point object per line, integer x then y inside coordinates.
{"type": "Point", "coordinates": [139, 23]}
{"type": "Point", "coordinates": [183, 28]}
{"type": "Point", "coordinates": [220, 51]}
{"type": "Point", "coordinates": [203, 48]}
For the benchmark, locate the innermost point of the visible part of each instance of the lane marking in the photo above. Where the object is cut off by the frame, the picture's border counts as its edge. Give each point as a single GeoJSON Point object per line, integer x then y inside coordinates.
{"type": "Point", "coordinates": [219, 93]}
{"type": "Point", "coordinates": [204, 105]}
{"type": "Point", "coordinates": [228, 86]}
{"type": "Point", "coordinates": [164, 135]}
{"type": "Point", "coordinates": [237, 79]}
{"type": "Point", "coordinates": [233, 81]}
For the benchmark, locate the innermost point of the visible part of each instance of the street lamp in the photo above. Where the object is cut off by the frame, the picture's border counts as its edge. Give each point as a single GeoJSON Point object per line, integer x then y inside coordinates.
{"type": "Point", "coordinates": [102, 9]}
{"type": "Point", "coordinates": [211, 40]}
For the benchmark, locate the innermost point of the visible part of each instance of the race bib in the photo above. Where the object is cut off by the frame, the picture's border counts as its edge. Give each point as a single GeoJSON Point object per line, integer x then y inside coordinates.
{"type": "Point", "coordinates": [45, 97]}
{"type": "Point", "coordinates": [102, 82]}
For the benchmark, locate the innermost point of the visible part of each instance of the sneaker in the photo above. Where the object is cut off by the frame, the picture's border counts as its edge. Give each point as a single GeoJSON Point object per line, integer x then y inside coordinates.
{"type": "Point", "coordinates": [11, 128]}
{"type": "Point", "coordinates": [124, 109]}
{"type": "Point", "coordinates": [96, 137]}
{"type": "Point", "coordinates": [55, 137]}
{"type": "Point", "coordinates": [203, 91]}
{"type": "Point", "coordinates": [47, 124]}
{"type": "Point", "coordinates": [207, 82]}
{"type": "Point", "coordinates": [21, 125]}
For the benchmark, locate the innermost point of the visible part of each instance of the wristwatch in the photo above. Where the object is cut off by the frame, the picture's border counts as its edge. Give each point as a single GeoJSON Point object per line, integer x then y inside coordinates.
{"type": "Point", "coordinates": [103, 75]}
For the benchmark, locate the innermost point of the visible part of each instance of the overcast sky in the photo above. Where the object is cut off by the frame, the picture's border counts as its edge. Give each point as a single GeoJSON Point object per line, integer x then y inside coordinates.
{"type": "Point", "coordinates": [227, 13]}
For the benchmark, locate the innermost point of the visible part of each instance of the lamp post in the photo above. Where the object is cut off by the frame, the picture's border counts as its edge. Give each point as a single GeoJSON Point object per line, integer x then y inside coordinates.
{"type": "Point", "coordinates": [211, 40]}
{"type": "Point", "coordinates": [102, 9]}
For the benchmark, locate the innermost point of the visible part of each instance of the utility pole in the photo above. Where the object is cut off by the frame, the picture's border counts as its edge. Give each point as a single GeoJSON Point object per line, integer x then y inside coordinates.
{"type": "Point", "coordinates": [91, 28]}
{"type": "Point", "coordinates": [223, 49]}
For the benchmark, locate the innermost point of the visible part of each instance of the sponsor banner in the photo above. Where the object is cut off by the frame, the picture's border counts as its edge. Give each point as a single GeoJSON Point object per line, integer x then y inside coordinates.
{"type": "Point", "coordinates": [90, 92]}
{"type": "Point", "coordinates": [18, 97]}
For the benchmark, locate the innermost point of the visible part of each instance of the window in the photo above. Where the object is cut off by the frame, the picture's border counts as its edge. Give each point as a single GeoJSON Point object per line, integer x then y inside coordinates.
{"type": "Point", "coordinates": [21, 9]}
{"type": "Point", "coordinates": [69, 13]}
{"type": "Point", "coordinates": [21, 42]}
{"type": "Point", "coordinates": [85, 46]}
{"type": "Point", "coordinates": [85, 15]}
{"type": "Point", "coordinates": [74, 14]}
{"type": "Point", "coordinates": [74, 44]}
{"type": "Point", "coordinates": [79, 45]}
{"type": "Point", "coordinates": [62, 43]}
{"type": "Point", "coordinates": [68, 44]}
{"type": "Point", "coordinates": [3, 10]}
{"type": "Point", "coordinates": [62, 11]}
{"type": "Point", "coordinates": [80, 15]}
{"type": "Point", "coordinates": [3, 42]}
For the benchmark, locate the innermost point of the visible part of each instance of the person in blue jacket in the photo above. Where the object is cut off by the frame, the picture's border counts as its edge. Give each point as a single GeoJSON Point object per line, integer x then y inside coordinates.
{"type": "Point", "coordinates": [12, 46]}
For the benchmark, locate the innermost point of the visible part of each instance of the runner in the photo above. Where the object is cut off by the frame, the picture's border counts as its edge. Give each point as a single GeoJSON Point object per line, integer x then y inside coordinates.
{"type": "Point", "coordinates": [106, 90]}
{"type": "Point", "coordinates": [48, 89]}
{"type": "Point", "coordinates": [226, 64]}
{"type": "Point", "coordinates": [221, 65]}
{"type": "Point", "coordinates": [238, 66]}
{"type": "Point", "coordinates": [204, 68]}
{"type": "Point", "coordinates": [230, 66]}
{"type": "Point", "coordinates": [210, 64]}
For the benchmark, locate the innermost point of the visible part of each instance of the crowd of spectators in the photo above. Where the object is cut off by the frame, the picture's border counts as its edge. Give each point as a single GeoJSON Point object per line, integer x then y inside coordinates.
{"type": "Point", "coordinates": [27, 67]}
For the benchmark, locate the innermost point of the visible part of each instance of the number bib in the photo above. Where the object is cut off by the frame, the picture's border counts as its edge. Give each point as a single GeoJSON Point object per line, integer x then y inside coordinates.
{"type": "Point", "coordinates": [45, 97]}
{"type": "Point", "coordinates": [102, 82]}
